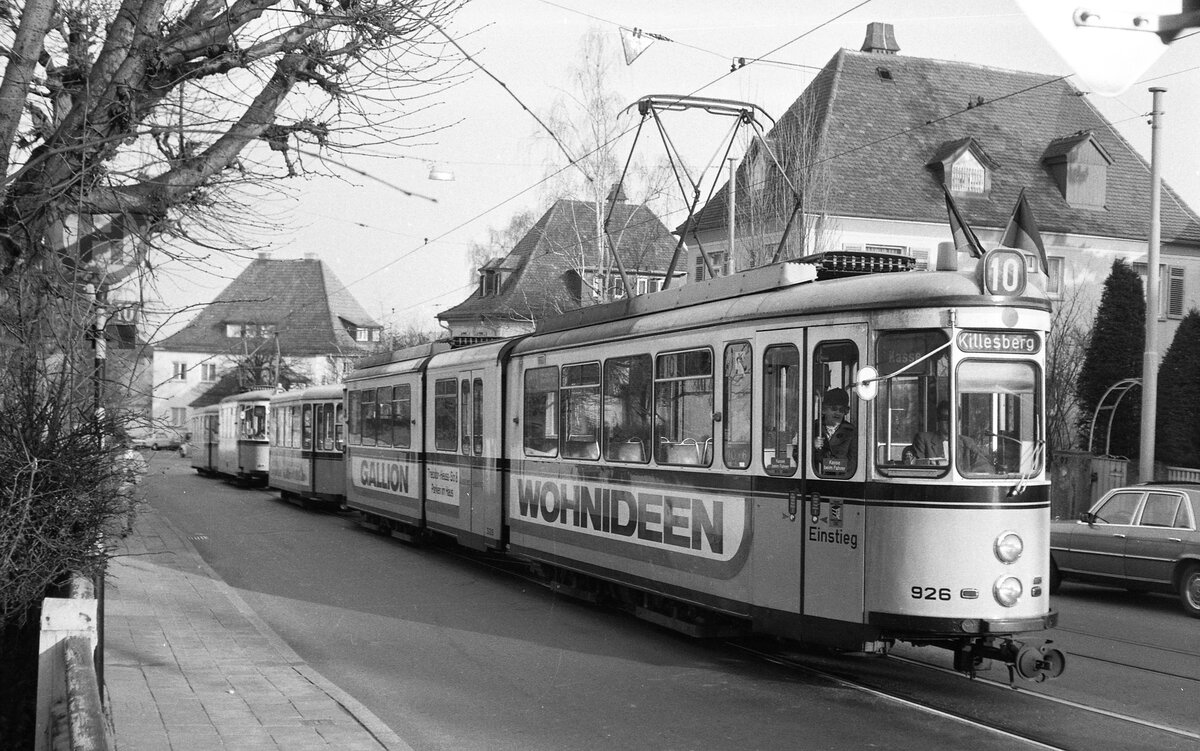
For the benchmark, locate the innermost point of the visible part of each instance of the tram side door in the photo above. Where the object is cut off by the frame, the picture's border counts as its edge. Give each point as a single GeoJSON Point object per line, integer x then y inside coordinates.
{"type": "Point", "coordinates": [779, 485]}
{"type": "Point", "coordinates": [471, 434]}
{"type": "Point", "coordinates": [835, 454]}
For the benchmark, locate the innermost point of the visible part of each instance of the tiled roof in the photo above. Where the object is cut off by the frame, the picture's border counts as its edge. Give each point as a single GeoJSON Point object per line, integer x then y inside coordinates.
{"type": "Point", "coordinates": [881, 119]}
{"type": "Point", "coordinates": [302, 298]}
{"type": "Point", "coordinates": [545, 263]}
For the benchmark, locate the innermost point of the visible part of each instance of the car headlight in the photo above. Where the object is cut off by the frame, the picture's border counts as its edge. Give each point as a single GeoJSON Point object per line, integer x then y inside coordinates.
{"type": "Point", "coordinates": [1008, 547]}
{"type": "Point", "coordinates": [1007, 590]}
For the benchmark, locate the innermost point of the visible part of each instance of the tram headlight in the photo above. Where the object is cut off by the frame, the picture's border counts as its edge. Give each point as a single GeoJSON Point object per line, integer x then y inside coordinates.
{"type": "Point", "coordinates": [1007, 590]}
{"type": "Point", "coordinates": [1008, 547]}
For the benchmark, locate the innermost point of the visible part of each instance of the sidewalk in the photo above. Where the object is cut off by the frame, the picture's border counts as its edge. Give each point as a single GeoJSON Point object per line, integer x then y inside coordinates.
{"type": "Point", "coordinates": [189, 667]}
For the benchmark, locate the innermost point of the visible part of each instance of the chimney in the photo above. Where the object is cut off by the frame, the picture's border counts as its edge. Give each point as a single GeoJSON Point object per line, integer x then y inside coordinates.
{"type": "Point", "coordinates": [264, 255]}
{"type": "Point", "coordinates": [619, 194]}
{"type": "Point", "coordinates": [881, 39]}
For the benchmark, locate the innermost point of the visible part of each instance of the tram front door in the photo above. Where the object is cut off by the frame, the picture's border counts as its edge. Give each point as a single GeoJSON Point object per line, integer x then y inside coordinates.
{"type": "Point", "coordinates": [836, 454]}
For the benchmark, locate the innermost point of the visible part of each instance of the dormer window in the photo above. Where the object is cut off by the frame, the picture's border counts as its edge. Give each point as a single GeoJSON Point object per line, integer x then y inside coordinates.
{"type": "Point", "coordinates": [249, 330]}
{"type": "Point", "coordinates": [1079, 166]}
{"type": "Point", "coordinates": [964, 167]}
{"type": "Point", "coordinates": [366, 334]}
{"type": "Point", "coordinates": [967, 175]}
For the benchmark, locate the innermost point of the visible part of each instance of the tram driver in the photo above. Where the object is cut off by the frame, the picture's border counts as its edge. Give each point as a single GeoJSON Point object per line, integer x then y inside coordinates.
{"type": "Point", "coordinates": [932, 447]}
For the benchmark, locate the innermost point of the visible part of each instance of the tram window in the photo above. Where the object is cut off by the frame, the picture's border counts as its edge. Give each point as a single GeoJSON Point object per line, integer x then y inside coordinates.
{"type": "Point", "coordinates": [445, 414]}
{"type": "Point", "coordinates": [307, 438]}
{"type": "Point", "coordinates": [781, 409]}
{"type": "Point", "coordinates": [465, 418]}
{"type": "Point", "coordinates": [402, 416]}
{"type": "Point", "coordinates": [383, 416]}
{"type": "Point", "coordinates": [539, 415]}
{"type": "Point", "coordinates": [339, 427]}
{"type": "Point", "coordinates": [914, 384]}
{"type": "Point", "coordinates": [326, 424]}
{"type": "Point", "coordinates": [835, 433]}
{"type": "Point", "coordinates": [999, 418]}
{"type": "Point", "coordinates": [477, 416]}
{"type": "Point", "coordinates": [580, 390]}
{"type": "Point", "coordinates": [627, 382]}
{"type": "Point", "coordinates": [366, 417]}
{"type": "Point", "coordinates": [293, 426]}
{"type": "Point", "coordinates": [737, 420]}
{"type": "Point", "coordinates": [254, 422]}
{"type": "Point", "coordinates": [354, 423]}
{"type": "Point", "coordinates": [683, 408]}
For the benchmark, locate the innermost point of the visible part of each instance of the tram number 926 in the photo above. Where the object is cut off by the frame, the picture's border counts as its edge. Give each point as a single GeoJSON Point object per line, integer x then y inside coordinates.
{"type": "Point", "coordinates": [930, 593]}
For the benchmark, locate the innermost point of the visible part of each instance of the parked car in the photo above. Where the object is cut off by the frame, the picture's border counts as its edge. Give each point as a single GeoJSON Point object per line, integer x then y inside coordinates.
{"type": "Point", "coordinates": [159, 439]}
{"type": "Point", "coordinates": [1142, 538]}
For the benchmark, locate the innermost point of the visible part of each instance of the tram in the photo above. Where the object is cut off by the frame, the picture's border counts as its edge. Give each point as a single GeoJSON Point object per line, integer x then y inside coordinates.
{"type": "Point", "coordinates": [670, 454]}
{"type": "Point", "coordinates": [306, 441]}
{"type": "Point", "coordinates": [242, 445]}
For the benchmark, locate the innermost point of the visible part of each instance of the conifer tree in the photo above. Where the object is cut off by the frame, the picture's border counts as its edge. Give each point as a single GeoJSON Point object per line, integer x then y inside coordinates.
{"type": "Point", "coordinates": [1177, 438]}
{"type": "Point", "coordinates": [1114, 354]}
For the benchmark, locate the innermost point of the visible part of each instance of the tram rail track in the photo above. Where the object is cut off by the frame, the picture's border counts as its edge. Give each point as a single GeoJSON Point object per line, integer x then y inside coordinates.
{"type": "Point", "coordinates": [1065, 715]}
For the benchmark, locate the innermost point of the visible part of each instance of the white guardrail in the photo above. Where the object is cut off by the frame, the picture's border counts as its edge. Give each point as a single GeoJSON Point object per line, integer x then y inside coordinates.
{"type": "Point", "coordinates": [69, 711]}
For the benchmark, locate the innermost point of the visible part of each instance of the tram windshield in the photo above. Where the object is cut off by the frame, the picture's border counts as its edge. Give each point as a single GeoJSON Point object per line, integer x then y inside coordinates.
{"type": "Point", "coordinates": [254, 422]}
{"type": "Point", "coordinates": [986, 422]}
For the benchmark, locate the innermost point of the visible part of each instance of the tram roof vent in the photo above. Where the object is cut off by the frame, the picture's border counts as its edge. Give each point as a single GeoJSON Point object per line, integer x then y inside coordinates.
{"type": "Point", "coordinates": [761, 279]}
{"type": "Point", "coordinates": [837, 264]}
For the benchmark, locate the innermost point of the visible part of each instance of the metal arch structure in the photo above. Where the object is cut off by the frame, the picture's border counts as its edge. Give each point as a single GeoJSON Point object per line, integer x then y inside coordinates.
{"type": "Point", "coordinates": [1117, 391]}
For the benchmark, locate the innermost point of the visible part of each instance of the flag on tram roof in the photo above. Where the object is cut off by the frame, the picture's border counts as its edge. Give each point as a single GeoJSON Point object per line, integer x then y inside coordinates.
{"type": "Point", "coordinates": [1022, 232]}
{"type": "Point", "coordinates": [964, 236]}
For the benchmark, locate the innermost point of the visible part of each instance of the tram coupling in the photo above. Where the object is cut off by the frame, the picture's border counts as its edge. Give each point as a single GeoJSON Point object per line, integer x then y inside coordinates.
{"type": "Point", "coordinates": [1033, 661]}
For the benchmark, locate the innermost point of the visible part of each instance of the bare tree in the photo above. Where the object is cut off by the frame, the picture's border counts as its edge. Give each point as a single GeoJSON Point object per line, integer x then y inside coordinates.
{"type": "Point", "coordinates": [782, 181]}
{"type": "Point", "coordinates": [499, 242]}
{"type": "Point", "coordinates": [148, 113]}
{"type": "Point", "coordinates": [1066, 348]}
{"type": "Point", "coordinates": [587, 117]}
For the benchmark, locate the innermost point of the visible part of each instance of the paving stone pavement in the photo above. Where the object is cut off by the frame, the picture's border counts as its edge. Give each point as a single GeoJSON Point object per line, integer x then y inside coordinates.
{"type": "Point", "coordinates": [188, 666]}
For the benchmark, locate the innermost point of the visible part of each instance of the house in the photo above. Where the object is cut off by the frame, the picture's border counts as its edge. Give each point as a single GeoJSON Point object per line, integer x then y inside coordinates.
{"type": "Point", "coordinates": [292, 315]}
{"type": "Point", "coordinates": [870, 142]}
{"type": "Point", "coordinates": [559, 265]}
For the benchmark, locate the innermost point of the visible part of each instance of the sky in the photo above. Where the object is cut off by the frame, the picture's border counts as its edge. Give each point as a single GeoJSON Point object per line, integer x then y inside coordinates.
{"type": "Point", "coordinates": [404, 257]}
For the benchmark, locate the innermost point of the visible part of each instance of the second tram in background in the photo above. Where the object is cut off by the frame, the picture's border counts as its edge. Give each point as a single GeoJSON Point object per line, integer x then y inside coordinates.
{"type": "Point", "coordinates": [306, 462]}
{"type": "Point", "coordinates": [230, 438]}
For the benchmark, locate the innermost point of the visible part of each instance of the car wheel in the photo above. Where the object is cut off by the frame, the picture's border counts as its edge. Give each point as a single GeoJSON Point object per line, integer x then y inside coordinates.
{"type": "Point", "coordinates": [1055, 577]}
{"type": "Point", "coordinates": [1189, 590]}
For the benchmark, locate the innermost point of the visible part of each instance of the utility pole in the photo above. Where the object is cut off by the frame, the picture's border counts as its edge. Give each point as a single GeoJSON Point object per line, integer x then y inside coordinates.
{"type": "Point", "coordinates": [1150, 355]}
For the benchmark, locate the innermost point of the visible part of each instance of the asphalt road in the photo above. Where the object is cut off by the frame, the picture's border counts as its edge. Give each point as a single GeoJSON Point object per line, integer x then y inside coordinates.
{"type": "Point", "coordinates": [453, 655]}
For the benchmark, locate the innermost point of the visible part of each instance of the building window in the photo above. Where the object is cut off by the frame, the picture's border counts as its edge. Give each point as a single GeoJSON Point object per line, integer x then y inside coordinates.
{"type": "Point", "coordinates": [967, 175]}
{"type": "Point", "coordinates": [179, 370]}
{"type": "Point", "coordinates": [1170, 289]}
{"type": "Point", "coordinates": [1054, 286]}
{"type": "Point", "coordinates": [208, 371]}
{"type": "Point", "coordinates": [178, 417]}
{"type": "Point", "coordinates": [233, 330]}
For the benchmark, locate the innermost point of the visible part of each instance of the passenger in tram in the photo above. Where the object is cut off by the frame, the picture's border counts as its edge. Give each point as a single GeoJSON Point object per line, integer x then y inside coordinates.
{"type": "Point", "coordinates": [834, 445]}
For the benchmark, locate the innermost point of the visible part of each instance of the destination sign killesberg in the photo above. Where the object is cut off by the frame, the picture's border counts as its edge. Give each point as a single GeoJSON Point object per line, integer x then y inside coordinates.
{"type": "Point", "coordinates": [999, 342]}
